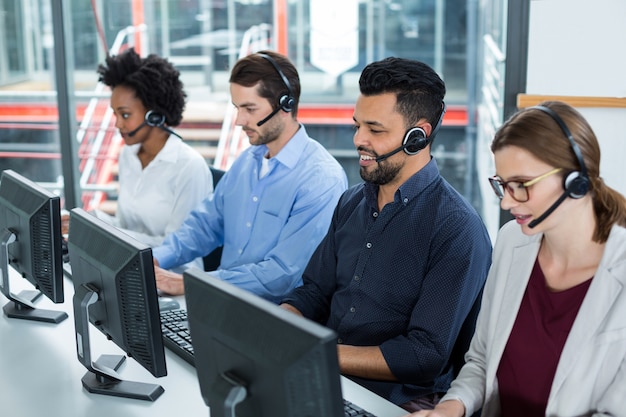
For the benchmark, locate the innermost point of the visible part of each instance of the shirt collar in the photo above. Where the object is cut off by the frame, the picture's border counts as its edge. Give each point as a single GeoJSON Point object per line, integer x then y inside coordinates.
{"type": "Point", "coordinates": [411, 187]}
{"type": "Point", "coordinates": [169, 153]}
{"type": "Point", "coordinates": [290, 154]}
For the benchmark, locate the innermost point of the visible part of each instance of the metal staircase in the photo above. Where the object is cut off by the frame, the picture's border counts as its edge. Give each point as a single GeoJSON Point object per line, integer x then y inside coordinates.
{"type": "Point", "coordinates": [219, 141]}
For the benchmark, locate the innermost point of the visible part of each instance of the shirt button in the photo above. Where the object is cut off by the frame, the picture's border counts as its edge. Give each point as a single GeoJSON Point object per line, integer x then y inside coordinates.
{"type": "Point", "coordinates": [406, 200]}
{"type": "Point", "coordinates": [240, 251]}
{"type": "Point", "coordinates": [352, 309]}
{"type": "Point", "coordinates": [339, 341]}
{"type": "Point", "coordinates": [248, 224]}
{"type": "Point", "coordinates": [375, 214]}
{"type": "Point", "coordinates": [356, 277]}
{"type": "Point", "coordinates": [255, 199]}
{"type": "Point", "coordinates": [368, 245]}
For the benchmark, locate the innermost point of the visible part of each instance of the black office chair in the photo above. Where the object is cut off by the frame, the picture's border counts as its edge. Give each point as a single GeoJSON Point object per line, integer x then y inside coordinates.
{"type": "Point", "coordinates": [217, 175]}
{"type": "Point", "coordinates": [212, 261]}
{"type": "Point", "coordinates": [462, 344]}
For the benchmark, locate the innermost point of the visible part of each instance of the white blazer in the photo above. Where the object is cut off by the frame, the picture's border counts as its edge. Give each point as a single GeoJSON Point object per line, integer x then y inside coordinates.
{"type": "Point", "coordinates": [590, 378]}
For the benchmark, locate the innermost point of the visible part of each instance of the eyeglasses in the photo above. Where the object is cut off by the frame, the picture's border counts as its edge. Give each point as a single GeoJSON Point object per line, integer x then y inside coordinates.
{"type": "Point", "coordinates": [516, 189]}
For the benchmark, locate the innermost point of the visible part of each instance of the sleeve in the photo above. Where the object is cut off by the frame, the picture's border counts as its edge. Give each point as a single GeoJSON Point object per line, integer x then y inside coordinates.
{"type": "Point", "coordinates": [193, 184]}
{"type": "Point", "coordinates": [612, 402]}
{"type": "Point", "coordinates": [281, 269]}
{"type": "Point", "coordinates": [201, 232]}
{"type": "Point", "coordinates": [469, 387]}
{"type": "Point", "coordinates": [313, 297]}
{"type": "Point", "coordinates": [459, 261]}
{"type": "Point", "coordinates": [112, 220]}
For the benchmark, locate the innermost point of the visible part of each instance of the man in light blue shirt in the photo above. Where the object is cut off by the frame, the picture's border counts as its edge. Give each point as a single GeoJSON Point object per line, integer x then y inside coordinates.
{"type": "Point", "coordinates": [271, 209]}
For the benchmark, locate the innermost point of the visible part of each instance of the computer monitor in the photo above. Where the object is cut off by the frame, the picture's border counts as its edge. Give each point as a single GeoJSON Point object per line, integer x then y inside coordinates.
{"type": "Point", "coordinates": [256, 359]}
{"type": "Point", "coordinates": [30, 234]}
{"type": "Point", "coordinates": [115, 290]}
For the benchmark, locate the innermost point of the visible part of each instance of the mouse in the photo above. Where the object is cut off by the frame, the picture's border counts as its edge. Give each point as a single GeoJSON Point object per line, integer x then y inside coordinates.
{"type": "Point", "coordinates": [167, 303]}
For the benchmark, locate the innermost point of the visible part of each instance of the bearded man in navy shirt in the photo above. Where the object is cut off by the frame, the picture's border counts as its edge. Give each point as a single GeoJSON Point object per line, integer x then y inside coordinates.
{"type": "Point", "coordinates": [400, 272]}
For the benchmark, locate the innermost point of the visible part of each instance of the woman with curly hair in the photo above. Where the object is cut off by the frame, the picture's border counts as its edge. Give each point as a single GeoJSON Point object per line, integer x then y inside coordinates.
{"type": "Point", "coordinates": [161, 178]}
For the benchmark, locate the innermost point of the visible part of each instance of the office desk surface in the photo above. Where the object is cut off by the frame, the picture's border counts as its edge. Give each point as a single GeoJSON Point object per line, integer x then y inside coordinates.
{"type": "Point", "coordinates": [40, 374]}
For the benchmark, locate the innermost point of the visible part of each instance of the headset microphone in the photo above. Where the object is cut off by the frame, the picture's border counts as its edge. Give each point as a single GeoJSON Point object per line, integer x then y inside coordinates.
{"type": "Point", "coordinates": [549, 211]}
{"type": "Point", "coordinates": [388, 154]}
{"type": "Point", "coordinates": [576, 183]}
{"type": "Point", "coordinates": [415, 139]}
{"type": "Point", "coordinates": [286, 102]}
{"type": "Point", "coordinates": [269, 116]}
{"type": "Point", "coordinates": [133, 132]}
{"type": "Point", "coordinates": [153, 119]}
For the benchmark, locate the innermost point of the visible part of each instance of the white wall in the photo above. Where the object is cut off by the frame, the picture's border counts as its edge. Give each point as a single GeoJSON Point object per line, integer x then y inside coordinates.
{"type": "Point", "coordinates": [578, 48]}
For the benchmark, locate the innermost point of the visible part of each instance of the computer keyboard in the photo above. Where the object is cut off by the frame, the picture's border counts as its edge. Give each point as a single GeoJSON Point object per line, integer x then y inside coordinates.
{"type": "Point", "coordinates": [353, 410]}
{"type": "Point", "coordinates": [176, 338]}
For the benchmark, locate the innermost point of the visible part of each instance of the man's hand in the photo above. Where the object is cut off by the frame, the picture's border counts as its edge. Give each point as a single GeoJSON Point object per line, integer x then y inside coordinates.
{"type": "Point", "coordinates": [65, 223]}
{"type": "Point", "coordinates": [291, 308]}
{"type": "Point", "coordinates": [169, 282]}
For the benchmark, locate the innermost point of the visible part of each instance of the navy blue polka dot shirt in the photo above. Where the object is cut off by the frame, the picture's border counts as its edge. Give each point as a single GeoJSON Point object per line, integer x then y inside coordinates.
{"type": "Point", "coordinates": [404, 278]}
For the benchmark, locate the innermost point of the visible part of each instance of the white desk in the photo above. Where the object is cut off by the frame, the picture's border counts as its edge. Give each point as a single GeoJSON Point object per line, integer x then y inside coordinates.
{"type": "Point", "coordinates": [40, 374]}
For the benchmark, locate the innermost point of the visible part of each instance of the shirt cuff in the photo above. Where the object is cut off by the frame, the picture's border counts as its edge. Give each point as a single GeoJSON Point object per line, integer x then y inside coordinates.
{"type": "Point", "coordinates": [164, 256]}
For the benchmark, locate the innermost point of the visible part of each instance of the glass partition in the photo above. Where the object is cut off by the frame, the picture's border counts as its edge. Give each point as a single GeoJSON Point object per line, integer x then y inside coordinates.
{"type": "Point", "coordinates": [204, 38]}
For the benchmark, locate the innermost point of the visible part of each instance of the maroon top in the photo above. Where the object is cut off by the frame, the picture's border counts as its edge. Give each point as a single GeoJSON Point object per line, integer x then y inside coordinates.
{"type": "Point", "coordinates": [532, 352]}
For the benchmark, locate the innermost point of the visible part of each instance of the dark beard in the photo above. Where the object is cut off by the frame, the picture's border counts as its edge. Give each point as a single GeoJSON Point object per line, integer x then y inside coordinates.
{"type": "Point", "coordinates": [270, 133]}
{"type": "Point", "coordinates": [384, 173]}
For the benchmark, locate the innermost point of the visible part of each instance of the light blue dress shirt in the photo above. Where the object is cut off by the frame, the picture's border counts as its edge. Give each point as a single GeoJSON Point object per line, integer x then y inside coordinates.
{"type": "Point", "coordinates": [269, 226]}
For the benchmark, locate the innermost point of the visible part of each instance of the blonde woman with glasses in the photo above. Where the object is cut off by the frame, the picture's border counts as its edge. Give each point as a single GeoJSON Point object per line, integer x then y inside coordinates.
{"type": "Point", "coordinates": [551, 334]}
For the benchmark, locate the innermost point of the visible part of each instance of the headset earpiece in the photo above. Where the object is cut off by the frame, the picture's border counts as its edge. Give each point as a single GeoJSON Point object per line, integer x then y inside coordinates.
{"type": "Point", "coordinates": [415, 140]}
{"type": "Point", "coordinates": [576, 185]}
{"type": "Point", "coordinates": [287, 103]}
{"type": "Point", "coordinates": [154, 119]}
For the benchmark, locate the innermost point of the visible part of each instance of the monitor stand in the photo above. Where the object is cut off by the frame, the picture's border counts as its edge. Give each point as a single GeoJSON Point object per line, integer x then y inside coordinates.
{"type": "Point", "coordinates": [99, 382]}
{"type": "Point", "coordinates": [21, 306]}
{"type": "Point", "coordinates": [232, 390]}
{"type": "Point", "coordinates": [102, 377]}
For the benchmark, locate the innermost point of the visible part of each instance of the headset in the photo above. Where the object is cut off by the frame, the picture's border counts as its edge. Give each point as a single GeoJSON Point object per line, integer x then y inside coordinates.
{"type": "Point", "coordinates": [153, 119]}
{"type": "Point", "coordinates": [576, 183]}
{"type": "Point", "coordinates": [415, 139]}
{"type": "Point", "coordinates": [286, 102]}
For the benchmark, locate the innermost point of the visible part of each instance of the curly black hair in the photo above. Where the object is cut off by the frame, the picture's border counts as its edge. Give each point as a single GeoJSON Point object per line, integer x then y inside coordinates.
{"type": "Point", "coordinates": [155, 81]}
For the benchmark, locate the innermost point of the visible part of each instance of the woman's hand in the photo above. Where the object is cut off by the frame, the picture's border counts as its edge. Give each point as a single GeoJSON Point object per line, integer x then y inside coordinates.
{"type": "Point", "coordinates": [450, 408]}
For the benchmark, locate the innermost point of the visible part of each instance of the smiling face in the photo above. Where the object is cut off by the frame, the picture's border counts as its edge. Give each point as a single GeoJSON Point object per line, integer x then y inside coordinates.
{"type": "Point", "coordinates": [379, 129]}
{"type": "Point", "coordinates": [516, 164]}
{"type": "Point", "coordinates": [129, 113]}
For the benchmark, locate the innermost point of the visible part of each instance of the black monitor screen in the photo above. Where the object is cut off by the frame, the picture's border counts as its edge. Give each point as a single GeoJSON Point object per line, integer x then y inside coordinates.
{"type": "Point", "coordinates": [30, 224]}
{"type": "Point", "coordinates": [115, 290]}
{"type": "Point", "coordinates": [255, 357]}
